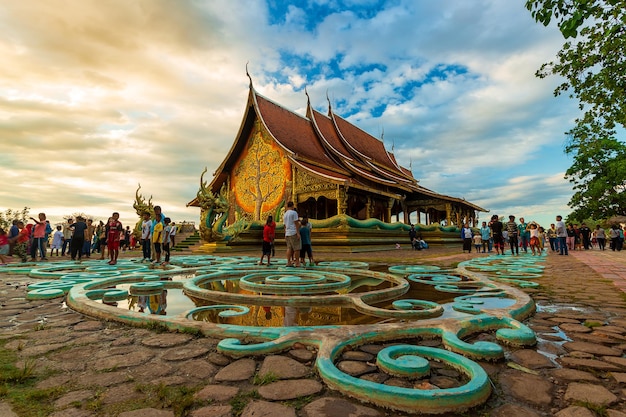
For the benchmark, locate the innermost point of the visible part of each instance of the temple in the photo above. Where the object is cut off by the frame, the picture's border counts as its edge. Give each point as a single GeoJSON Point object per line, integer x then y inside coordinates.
{"type": "Point", "coordinates": [326, 165]}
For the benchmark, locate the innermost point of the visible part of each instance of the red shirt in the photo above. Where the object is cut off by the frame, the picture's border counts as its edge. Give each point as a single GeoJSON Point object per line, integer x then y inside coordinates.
{"type": "Point", "coordinates": [268, 232]}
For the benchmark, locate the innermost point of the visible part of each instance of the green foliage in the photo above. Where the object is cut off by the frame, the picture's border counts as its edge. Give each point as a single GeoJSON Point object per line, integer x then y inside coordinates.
{"type": "Point", "coordinates": [265, 379]}
{"type": "Point", "coordinates": [7, 217]}
{"type": "Point", "coordinates": [239, 401]}
{"type": "Point", "coordinates": [594, 68]}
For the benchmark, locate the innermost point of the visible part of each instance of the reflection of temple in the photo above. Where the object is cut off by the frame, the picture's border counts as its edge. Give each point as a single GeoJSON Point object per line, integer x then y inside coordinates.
{"type": "Point", "coordinates": [327, 166]}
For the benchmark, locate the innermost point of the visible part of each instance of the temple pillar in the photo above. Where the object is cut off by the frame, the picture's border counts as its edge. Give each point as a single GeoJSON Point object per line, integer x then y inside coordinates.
{"type": "Point", "coordinates": [448, 213]}
{"type": "Point", "coordinates": [389, 208]}
{"type": "Point", "coordinates": [368, 207]}
{"type": "Point", "coordinates": [342, 199]}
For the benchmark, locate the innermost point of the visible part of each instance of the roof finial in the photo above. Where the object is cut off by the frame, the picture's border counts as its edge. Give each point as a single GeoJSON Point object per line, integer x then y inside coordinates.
{"type": "Point", "coordinates": [308, 99]}
{"type": "Point", "coordinates": [248, 74]}
{"type": "Point", "coordinates": [411, 163]}
{"type": "Point", "coordinates": [328, 99]}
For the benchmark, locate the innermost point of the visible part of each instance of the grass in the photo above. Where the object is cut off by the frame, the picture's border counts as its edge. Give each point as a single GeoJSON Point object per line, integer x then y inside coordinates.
{"type": "Point", "coordinates": [600, 410]}
{"type": "Point", "coordinates": [179, 398]}
{"type": "Point", "coordinates": [156, 326]}
{"type": "Point", "coordinates": [265, 379]}
{"type": "Point", "coordinates": [299, 402]}
{"type": "Point", "coordinates": [239, 401]}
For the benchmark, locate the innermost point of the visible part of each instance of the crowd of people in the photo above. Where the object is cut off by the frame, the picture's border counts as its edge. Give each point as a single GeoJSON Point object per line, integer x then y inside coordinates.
{"type": "Point", "coordinates": [559, 237]}
{"type": "Point", "coordinates": [80, 238]}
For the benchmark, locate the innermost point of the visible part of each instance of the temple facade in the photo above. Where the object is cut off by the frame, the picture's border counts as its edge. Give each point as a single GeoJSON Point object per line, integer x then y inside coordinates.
{"type": "Point", "coordinates": [324, 164]}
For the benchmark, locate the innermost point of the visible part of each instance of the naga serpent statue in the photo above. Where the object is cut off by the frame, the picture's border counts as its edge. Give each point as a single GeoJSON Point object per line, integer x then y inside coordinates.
{"type": "Point", "coordinates": [214, 211]}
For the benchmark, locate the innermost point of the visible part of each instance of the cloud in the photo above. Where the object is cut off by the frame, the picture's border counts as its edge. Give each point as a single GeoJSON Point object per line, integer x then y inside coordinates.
{"type": "Point", "coordinates": [98, 97]}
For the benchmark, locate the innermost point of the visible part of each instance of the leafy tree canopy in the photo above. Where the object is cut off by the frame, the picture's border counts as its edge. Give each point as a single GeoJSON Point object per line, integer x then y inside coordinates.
{"type": "Point", "coordinates": [593, 64]}
{"type": "Point", "coordinates": [7, 217]}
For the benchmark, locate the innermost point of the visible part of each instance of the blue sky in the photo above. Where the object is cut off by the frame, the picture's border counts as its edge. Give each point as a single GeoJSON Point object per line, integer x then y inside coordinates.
{"type": "Point", "coordinates": [97, 97]}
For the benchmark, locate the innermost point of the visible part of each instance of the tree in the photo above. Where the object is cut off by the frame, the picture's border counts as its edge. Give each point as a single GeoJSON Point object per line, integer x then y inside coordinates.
{"type": "Point", "coordinates": [594, 67]}
{"type": "Point", "coordinates": [7, 217]}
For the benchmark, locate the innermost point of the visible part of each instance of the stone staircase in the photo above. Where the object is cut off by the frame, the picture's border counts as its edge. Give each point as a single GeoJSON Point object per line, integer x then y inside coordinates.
{"type": "Point", "coordinates": [188, 240]}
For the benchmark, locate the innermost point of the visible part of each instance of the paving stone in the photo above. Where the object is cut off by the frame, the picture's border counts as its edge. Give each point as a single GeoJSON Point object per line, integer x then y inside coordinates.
{"type": "Point", "coordinates": [615, 413]}
{"type": "Point", "coordinates": [337, 407]}
{"type": "Point", "coordinates": [88, 326]}
{"type": "Point", "coordinates": [593, 364]}
{"type": "Point", "coordinates": [575, 328]}
{"type": "Point", "coordinates": [591, 393]}
{"type": "Point", "coordinates": [355, 355]}
{"type": "Point", "coordinates": [611, 329]}
{"type": "Point", "coordinates": [104, 379]}
{"type": "Point", "coordinates": [593, 348]}
{"type": "Point", "coordinates": [512, 410]}
{"type": "Point", "coordinates": [219, 393]}
{"type": "Point", "coordinates": [198, 368]}
{"type": "Point", "coordinates": [53, 381]}
{"type": "Point", "coordinates": [563, 320]}
{"type": "Point", "coordinates": [399, 382]}
{"type": "Point", "coordinates": [283, 367]}
{"type": "Point", "coordinates": [619, 377]}
{"type": "Point", "coordinates": [355, 368]}
{"type": "Point", "coordinates": [185, 353]}
{"type": "Point", "coordinates": [169, 380]}
{"type": "Point", "coordinates": [133, 358]}
{"type": "Point", "coordinates": [377, 377]}
{"type": "Point", "coordinates": [239, 370]}
{"type": "Point", "coordinates": [120, 394]}
{"type": "Point", "coordinates": [444, 382]}
{"type": "Point", "coordinates": [267, 409]}
{"type": "Point", "coordinates": [373, 349]}
{"type": "Point", "coordinates": [575, 411]}
{"type": "Point", "coordinates": [567, 374]}
{"type": "Point", "coordinates": [152, 412]}
{"type": "Point", "coordinates": [218, 359]}
{"type": "Point", "coordinates": [531, 359]}
{"type": "Point", "coordinates": [617, 361]}
{"type": "Point", "coordinates": [73, 397]}
{"type": "Point", "coordinates": [581, 355]}
{"type": "Point", "coordinates": [528, 388]}
{"type": "Point", "coordinates": [288, 390]}
{"type": "Point", "coordinates": [302, 355]}
{"type": "Point", "coordinates": [165, 340]}
{"type": "Point", "coordinates": [213, 411]}
{"type": "Point", "coordinates": [67, 412]}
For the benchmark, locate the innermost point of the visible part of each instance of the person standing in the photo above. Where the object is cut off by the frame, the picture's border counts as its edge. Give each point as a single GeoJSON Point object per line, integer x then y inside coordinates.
{"type": "Point", "coordinates": [166, 240]}
{"type": "Point", "coordinates": [57, 241]}
{"type": "Point", "coordinates": [89, 232]}
{"type": "Point", "coordinates": [513, 231]}
{"type": "Point", "coordinates": [497, 229]}
{"type": "Point", "coordinates": [292, 234]}
{"type": "Point", "coordinates": [157, 236]}
{"type": "Point", "coordinates": [552, 238]}
{"type": "Point", "coordinates": [67, 237]}
{"type": "Point", "coordinates": [114, 229]}
{"type": "Point", "coordinates": [305, 237]}
{"type": "Point", "coordinates": [78, 238]}
{"type": "Point", "coordinates": [269, 231]}
{"type": "Point", "coordinates": [466, 235]}
{"type": "Point", "coordinates": [173, 235]}
{"type": "Point", "coordinates": [585, 234]}
{"type": "Point", "coordinates": [412, 236]}
{"type": "Point", "coordinates": [600, 237]}
{"type": "Point", "coordinates": [535, 243]}
{"type": "Point", "coordinates": [524, 234]}
{"type": "Point", "coordinates": [485, 235]}
{"type": "Point", "coordinates": [146, 235]}
{"type": "Point", "coordinates": [561, 233]}
{"type": "Point", "coordinates": [39, 235]}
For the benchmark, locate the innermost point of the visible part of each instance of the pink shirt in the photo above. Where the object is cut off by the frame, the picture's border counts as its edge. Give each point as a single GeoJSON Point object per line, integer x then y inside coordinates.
{"type": "Point", "coordinates": [40, 230]}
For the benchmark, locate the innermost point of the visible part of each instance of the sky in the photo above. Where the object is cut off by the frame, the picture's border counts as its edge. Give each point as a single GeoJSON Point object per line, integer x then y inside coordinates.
{"type": "Point", "coordinates": [99, 97]}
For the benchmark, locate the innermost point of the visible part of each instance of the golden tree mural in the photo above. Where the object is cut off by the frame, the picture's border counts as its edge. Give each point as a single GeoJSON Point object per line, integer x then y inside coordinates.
{"type": "Point", "coordinates": [259, 180]}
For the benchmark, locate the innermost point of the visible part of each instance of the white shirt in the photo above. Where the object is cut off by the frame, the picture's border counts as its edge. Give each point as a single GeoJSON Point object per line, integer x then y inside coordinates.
{"type": "Point", "coordinates": [289, 219]}
{"type": "Point", "coordinates": [146, 226]}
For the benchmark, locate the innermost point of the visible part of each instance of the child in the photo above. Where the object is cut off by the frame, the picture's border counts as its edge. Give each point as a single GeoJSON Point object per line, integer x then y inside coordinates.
{"type": "Point", "coordinates": [268, 239]}
{"type": "Point", "coordinates": [534, 238]}
{"type": "Point", "coordinates": [57, 241]}
{"type": "Point", "coordinates": [157, 236]}
{"type": "Point", "coordinates": [21, 241]}
{"type": "Point", "coordinates": [166, 240]}
{"type": "Point", "coordinates": [4, 246]}
{"type": "Point", "coordinates": [478, 242]}
{"type": "Point", "coordinates": [113, 228]}
{"type": "Point", "coordinates": [305, 237]}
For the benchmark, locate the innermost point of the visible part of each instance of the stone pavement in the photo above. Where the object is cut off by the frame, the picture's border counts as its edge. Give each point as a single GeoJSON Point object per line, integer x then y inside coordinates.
{"type": "Point", "coordinates": [86, 367]}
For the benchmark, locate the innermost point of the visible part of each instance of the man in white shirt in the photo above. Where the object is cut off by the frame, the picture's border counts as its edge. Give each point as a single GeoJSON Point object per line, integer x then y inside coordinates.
{"type": "Point", "coordinates": [292, 234]}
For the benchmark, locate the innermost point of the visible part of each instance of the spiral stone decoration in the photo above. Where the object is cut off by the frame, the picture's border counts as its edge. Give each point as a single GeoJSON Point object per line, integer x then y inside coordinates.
{"type": "Point", "coordinates": [300, 283]}
{"type": "Point", "coordinates": [228, 290]}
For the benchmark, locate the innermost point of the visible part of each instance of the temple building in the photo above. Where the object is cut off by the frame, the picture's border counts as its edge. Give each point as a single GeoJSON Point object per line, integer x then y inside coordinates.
{"type": "Point", "coordinates": [324, 164]}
